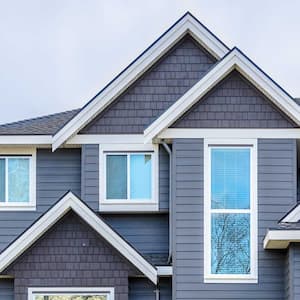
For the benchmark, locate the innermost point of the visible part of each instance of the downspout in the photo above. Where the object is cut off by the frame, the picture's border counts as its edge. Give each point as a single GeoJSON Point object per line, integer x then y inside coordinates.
{"type": "Point", "coordinates": [167, 148]}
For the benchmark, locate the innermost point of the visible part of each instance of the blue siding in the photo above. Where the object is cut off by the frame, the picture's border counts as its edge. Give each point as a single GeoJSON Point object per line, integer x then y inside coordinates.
{"type": "Point", "coordinates": [6, 289]}
{"type": "Point", "coordinates": [143, 289]}
{"type": "Point", "coordinates": [276, 194]}
{"type": "Point", "coordinates": [57, 172]}
{"type": "Point", "coordinates": [148, 233]}
{"type": "Point", "coordinates": [292, 287]}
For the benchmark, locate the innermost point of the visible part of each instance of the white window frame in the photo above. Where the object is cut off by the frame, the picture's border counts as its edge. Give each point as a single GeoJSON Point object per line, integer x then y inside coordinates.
{"type": "Point", "coordinates": [21, 153]}
{"type": "Point", "coordinates": [230, 278]}
{"type": "Point", "coordinates": [63, 291]}
{"type": "Point", "coordinates": [128, 205]}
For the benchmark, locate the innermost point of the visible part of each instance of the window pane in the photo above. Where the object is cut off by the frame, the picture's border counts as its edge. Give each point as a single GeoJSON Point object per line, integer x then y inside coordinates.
{"type": "Point", "coordinates": [71, 297]}
{"type": "Point", "coordinates": [230, 244]}
{"type": "Point", "coordinates": [2, 180]}
{"type": "Point", "coordinates": [116, 176]}
{"type": "Point", "coordinates": [140, 176]}
{"type": "Point", "coordinates": [230, 178]}
{"type": "Point", "coordinates": [18, 180]}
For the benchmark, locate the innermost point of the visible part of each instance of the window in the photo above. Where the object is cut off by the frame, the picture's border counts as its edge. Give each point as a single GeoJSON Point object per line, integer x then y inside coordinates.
{"type": "Point", "coordinates": [128, 178]}
{"type": "Point", "coordinates": [17, 179]}
{"type": "Point", "coordinates": [70, 294]}
{"type": "Point", "coordinates": [230, 211]}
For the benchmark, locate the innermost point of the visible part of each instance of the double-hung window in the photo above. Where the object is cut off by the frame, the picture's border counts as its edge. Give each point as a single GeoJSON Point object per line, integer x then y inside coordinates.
{"type": "Point", "coordinates": [230, 211]}
{"type": "Point", "coordinates": [128, 178]}
{"type": "Point", "coordinates": [17, 179]}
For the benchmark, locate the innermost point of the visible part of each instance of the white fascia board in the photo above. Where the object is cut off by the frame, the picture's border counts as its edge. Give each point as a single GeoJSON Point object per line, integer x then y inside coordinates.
{"type": "Point", "coordinates": [293, 216]}
{"type": "Point", "coordinates": [164, 270]}
{"type": "Point", "coordinates": [280, 239]}
{"type": "Point", "coordinates": [71, 202]}
{"type": "Point", "coordinates": [81, 139]}
{"type": "Point", "coordinates": [25, 139]}
{"type": "Point", "coordinates": [234, 60]}
{"type": "Point", "coordinates": [230, 133]}
{"type": "Point", "coordinates": [143, 63]}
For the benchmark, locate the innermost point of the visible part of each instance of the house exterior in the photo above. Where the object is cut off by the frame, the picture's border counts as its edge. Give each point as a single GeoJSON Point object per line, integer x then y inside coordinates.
{"type": "Point", "coordinates": [178, 180]}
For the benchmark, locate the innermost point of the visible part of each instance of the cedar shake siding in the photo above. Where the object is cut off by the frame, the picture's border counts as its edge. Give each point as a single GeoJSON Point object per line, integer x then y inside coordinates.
{"type": "Point", "coordinates": [155, 91]}
{"type": "Point", "coordinates": [71, 254]}
{"type": "Point", "coordinates": [234, 103]}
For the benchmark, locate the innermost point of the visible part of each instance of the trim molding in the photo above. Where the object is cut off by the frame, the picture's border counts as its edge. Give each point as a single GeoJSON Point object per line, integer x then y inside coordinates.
{"type": "Point", "coordinates": [280, 239]}
{"type": "Point", "coordinates": [293, 216]}
{"type": "Point", "coordinates": [228, 133]}
{"type": "Point", "coordinates": [235, 59]}
{"type": "Point", "coordinates": [67, 203]}
{"type": "Point", "coordinates": [25, 139]}
{"type": "Point", "coordinates": [187, 24]}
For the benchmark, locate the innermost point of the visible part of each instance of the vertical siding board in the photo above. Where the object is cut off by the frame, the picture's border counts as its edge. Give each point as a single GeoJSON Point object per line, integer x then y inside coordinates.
{"type": "Point", "coordinates": [188, 213]}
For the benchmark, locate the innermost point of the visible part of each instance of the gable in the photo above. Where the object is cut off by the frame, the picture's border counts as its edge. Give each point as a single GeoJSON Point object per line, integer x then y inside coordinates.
{"type": "Point", "coordinates": [71, 253]}
{"type": "Point", "coordinates": [234, 103]}
{"type": "Point", "coordinates": [174, 74]}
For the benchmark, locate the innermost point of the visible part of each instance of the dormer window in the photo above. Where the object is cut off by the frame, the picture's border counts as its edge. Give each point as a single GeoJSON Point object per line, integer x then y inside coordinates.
{"type": "Point", "coordinates": [128, 179]}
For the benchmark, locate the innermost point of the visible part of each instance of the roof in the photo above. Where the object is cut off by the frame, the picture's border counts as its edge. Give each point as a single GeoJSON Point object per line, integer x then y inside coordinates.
{"type": "Point", "coordinates": [54, 214]}
{"type": "Point", "coordinates": [45, 125]}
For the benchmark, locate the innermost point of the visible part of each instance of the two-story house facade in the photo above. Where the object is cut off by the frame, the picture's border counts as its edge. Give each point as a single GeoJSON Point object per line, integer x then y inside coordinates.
{"type": "Point", "coordinates": [178, 180]}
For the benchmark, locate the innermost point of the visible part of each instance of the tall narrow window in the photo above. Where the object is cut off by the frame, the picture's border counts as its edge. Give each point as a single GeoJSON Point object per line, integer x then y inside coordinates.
{"type": "Point", "coordinates": [230, 210]}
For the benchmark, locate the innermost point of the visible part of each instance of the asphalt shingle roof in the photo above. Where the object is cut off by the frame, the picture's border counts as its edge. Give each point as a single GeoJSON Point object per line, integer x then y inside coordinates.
{"type": "Point", "coordinates": [45, 125]}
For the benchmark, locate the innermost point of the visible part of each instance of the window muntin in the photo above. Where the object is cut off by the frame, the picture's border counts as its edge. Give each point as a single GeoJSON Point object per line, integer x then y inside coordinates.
{"type": "Point", "coordinates": [15, 179]}
{"type": "Point", "coordinates": [230, 212]}
{"type": "Point", "coordinates": [129, 176]}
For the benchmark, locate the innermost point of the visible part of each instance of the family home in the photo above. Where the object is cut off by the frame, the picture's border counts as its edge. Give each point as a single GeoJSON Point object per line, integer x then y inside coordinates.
{"type": "Point", "coordinates": [178, 180]}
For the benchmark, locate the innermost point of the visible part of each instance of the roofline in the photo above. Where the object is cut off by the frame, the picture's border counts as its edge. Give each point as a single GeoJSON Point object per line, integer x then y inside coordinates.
{"type": "Point", "coordinates": [292, 216]}
{"type": "Point", "coordinates": [234, 60]}
{"type": "Point", "coordinates": [186, 24]}
{"type": "Point", "coordinates": [71, 202]}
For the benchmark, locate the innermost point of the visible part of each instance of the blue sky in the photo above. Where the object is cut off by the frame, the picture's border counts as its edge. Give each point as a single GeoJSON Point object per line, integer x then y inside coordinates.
{"type": "Point", "coordinates": [57, 54]}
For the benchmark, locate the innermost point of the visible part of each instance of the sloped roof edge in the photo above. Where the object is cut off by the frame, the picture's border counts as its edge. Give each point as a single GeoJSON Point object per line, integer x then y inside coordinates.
{"type": "Point", "coordinates": [55, 213]}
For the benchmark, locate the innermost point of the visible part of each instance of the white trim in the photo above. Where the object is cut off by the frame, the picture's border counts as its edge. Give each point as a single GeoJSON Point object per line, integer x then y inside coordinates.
{"type": "Point", "coordinates": [71, 202]}
{"type": "Point", "coordinates": [164, 270]}
{"type": "Point", "coordinates": [25, 140]}
{"type": "Point", "coordinates": [234, 60]}
{"type": "Point", "coordinates": [106, 139]}
{"type": "Point", "coordinates": [226, 133]}
{"type": "Point", "coordinates": [293, 216]}
{"type": "Point", "coordinates": [45, 291]}
{"type": "Point", "coordinates": [280, 239]}
{"type": "Point", "coordinates": [187, 24]}
{"type": "Point", "coordinates": [30, 153]}
{"type": "Point", "coordinates": [106, 205]}
{"type": "Point", "coordinates": [218, 278]}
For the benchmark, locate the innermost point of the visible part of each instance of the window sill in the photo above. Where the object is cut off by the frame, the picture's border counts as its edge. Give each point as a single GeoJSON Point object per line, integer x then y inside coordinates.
{"type": "Point", "coordinates": [17, 207]}
{"type": "Point", "coordinates": [128, 207]}
{"type": "Point", "coordinates": [213, 279]}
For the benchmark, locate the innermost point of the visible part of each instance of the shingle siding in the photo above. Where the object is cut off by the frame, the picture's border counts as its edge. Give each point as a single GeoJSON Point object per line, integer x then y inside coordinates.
{"type": "Point", "coordinates": [6, 289]}
{"type": "Point", "coordinates": [57, 172]}
{"type": "Point", "coordinates": [276, 194]}
{"type": "Point", "coordinates": [155, 91]}
{"type": "Point", "coordinates": [234, 103]}
{"type": "Point", "coordinates": [71, 254]}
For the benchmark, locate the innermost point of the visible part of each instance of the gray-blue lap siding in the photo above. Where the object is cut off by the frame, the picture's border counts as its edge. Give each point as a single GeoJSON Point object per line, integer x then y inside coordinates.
{"type": "Point", "coordinates": [276, 193]}
{"type": "Point", "coordinates": [67, 169]}
{"type": "Point", "coordinates": [6, 289]}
